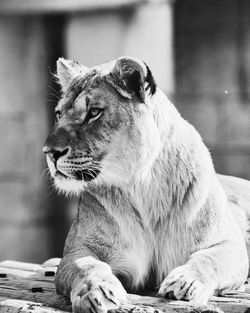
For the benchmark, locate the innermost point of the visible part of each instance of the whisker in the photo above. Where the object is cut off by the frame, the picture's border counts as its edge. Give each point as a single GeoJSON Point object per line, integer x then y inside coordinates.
{"type": "Point", "coordinates": [91, 174]}
{"type": "Point", "coordinates": [54, 90]}
{"type": "Point", "coordinates": [45, 171]}
{"type": "Point", "coordinates": [54, 95]}
{"type": "Point", "coordinates": [51, 186]}
{"type": "Point", "coordinates": [52, 190]}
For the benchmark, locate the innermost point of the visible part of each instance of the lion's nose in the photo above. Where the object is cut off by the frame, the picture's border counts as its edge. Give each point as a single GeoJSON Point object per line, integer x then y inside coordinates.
{"type": "Point", "coordinates": [55, 153]}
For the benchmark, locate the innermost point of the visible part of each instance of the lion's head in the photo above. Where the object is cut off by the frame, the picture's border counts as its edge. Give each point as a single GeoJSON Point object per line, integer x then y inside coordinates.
{"type": "Point", "coordinates": [105, 132]}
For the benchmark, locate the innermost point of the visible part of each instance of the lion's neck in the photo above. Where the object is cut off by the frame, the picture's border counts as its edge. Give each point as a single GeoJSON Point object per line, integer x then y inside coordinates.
{"type": "Point", "coordinates": [181, 175]}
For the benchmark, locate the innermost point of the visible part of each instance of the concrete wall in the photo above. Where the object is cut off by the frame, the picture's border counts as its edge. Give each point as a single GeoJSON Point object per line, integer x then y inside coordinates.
{"type": "Point", "coordinates": [212, 55]}
{"type": "Point", "coordinates": [23, 125]}
{"type": "Point", "coordinates": [145, 31]}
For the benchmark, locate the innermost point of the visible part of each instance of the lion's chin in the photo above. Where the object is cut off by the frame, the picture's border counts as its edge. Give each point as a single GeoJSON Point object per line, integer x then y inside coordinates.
{"type": "Point", "coordinates": [73, 184]}
{"type": "Point", "coordinates": [69, 185]}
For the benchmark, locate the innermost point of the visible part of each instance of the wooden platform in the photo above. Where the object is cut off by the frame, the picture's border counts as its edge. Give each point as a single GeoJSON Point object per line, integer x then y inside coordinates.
{"type": "Point", "coordinates": [27, 287]}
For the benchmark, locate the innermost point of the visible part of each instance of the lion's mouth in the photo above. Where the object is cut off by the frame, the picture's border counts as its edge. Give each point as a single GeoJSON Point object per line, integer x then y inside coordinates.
{"type": "Point", "coordinates": [85, 175]}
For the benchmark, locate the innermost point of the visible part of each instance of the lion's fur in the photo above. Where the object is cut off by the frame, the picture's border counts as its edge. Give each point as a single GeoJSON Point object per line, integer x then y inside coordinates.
{"type": "Point", "coordinates": [158, 191]}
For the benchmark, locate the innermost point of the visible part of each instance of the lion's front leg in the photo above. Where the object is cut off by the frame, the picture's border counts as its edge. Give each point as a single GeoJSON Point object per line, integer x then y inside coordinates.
{"type": "Point", "coordinates": [93, 287]}
{"type": "Point", "coordinates": [186, 283]}
{"type": "Point", "coordinates": [209, 271]}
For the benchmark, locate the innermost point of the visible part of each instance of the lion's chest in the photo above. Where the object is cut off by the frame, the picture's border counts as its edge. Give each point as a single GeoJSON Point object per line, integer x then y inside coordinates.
{"type": "Point", "coordinates": [147, 251]}
{"type": "Point", "coordinates": [148, 254]}
{"type": "Point", "coordinates": [171, 248]}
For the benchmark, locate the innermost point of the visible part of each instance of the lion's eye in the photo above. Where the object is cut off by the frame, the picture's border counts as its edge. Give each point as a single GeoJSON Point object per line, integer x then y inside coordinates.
{"type": "Point", "coordinates": [58, 115]}
{"type": "Point", "coordinates": [95, 112]}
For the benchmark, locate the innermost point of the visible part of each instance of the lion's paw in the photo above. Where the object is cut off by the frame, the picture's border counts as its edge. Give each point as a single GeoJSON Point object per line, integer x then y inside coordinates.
{"type": "Point", "coordinates": [102, 297]}
{"type": "Point", "coordinates": [184, 284]}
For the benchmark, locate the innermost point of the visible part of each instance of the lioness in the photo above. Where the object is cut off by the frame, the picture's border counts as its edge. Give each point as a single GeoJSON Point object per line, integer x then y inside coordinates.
{"type": "Point", "coordinates": [152, 213]}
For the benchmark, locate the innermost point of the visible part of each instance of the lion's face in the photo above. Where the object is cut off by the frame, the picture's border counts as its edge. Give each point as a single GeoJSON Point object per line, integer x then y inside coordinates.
{"type": "Point", "coordinates": [99, 135]}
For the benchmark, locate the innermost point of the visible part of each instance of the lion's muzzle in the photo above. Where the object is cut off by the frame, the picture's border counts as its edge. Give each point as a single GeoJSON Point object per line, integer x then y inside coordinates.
{"type": "Point", "coordinates": [66, 163]}
{"type": "Point", "coordinates": [57, 145]}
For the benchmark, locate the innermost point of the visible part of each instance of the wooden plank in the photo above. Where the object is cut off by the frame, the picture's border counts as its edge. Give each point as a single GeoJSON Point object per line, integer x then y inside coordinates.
{"type": "Point", "coordinates": [47, 265]}
{"type": "Point", "coordinates": [17, 270]}
{"type": "Point", "coordinates": [21, 289]}
{"type": "Point", "coordinates": [40, 289]}
{"type": "Point", "coordinates": [17, 273]}
{"type": "Point", "coordinates": [21, 306]}
{"type": "Point", "coordinates": [61, 6]}
{"type": "Point", "coordinates": [20, 265]}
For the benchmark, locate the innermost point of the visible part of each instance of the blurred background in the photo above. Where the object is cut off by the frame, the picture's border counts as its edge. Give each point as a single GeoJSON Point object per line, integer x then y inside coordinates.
{"type": "Point", "coordinates": [198, 51]}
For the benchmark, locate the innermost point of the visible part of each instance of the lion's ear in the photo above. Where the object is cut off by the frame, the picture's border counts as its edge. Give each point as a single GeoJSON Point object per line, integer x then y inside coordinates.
{"type": "Point", "coordinates": [132, 78]}
{"type": "Point", "coordinates": [67, 70]}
